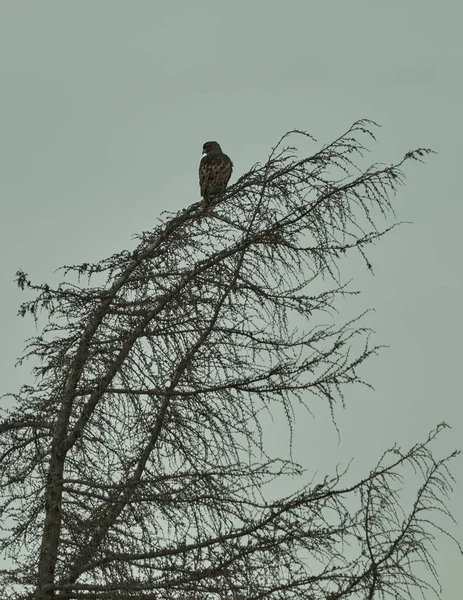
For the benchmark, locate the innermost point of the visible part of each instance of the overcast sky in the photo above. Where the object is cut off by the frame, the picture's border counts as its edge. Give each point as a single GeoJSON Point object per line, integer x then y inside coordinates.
{"type": "Point", "coordinates": [105, 105]}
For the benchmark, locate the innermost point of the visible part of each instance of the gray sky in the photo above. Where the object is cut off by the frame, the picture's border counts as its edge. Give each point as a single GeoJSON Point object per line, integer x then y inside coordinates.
{"type": "Point", "coordinates": [104, 109]}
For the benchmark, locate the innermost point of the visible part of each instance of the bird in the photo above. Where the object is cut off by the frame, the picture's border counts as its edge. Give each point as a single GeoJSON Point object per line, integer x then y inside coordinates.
{"type": "Point", "coordinates": [215, 170]}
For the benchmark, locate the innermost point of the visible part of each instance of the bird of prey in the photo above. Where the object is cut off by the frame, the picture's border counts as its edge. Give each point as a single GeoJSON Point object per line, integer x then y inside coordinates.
{"type": "Point", "coordinates": [215, 170]}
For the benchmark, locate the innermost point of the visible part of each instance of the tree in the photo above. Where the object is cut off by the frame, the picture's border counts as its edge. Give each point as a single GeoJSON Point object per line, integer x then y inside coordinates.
{"type": "Point", "coordinates": [135, 466]}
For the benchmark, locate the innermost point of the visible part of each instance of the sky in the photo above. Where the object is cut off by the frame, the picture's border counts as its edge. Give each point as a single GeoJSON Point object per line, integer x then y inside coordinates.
{"type": "Point", "coordinates": [104, 107]}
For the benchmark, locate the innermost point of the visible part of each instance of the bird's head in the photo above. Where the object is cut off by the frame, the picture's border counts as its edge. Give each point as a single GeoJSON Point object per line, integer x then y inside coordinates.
{"type": "Point", "coordinates": [211, 147]}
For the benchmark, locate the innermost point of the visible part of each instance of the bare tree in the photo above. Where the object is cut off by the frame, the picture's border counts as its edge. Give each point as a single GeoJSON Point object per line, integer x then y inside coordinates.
{"type": "Point", "coordinates": [135, 466]}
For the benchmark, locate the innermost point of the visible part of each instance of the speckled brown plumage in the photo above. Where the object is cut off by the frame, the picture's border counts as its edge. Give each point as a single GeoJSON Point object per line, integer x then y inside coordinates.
{"type": "Point", "coordinates": [215, 170]}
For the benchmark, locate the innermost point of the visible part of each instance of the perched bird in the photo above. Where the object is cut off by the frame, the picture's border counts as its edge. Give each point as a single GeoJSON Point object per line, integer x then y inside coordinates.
{"type": "Point", "coordinates": [215, 170]}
